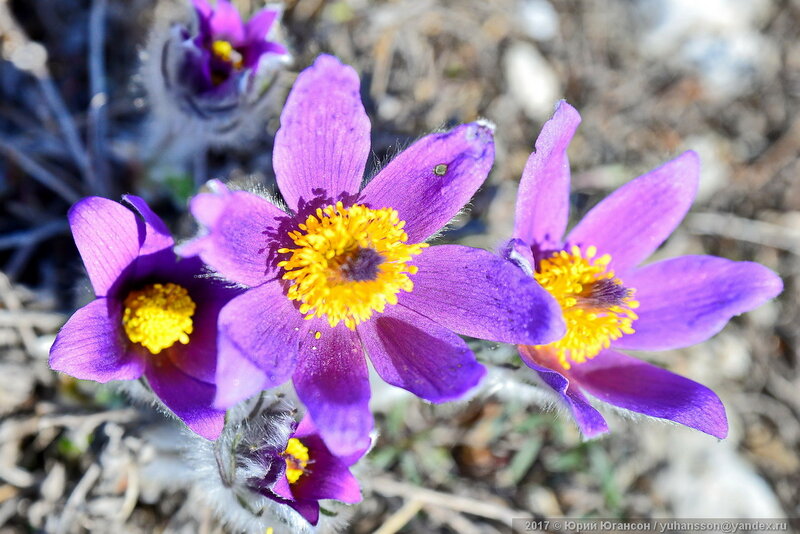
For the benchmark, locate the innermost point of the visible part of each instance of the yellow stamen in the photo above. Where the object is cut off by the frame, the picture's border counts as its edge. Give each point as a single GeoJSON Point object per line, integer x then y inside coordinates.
{"type": "Point", "coordinates": [349, 262]}
{"type": "Point", "coordinates": [296, 456]}
{"type": "Point", "coordinates": [597, 308]}
{"type": "Point", "coordinates": [226, 52]}
{"type": "Point", "coordinates": [158, 316]}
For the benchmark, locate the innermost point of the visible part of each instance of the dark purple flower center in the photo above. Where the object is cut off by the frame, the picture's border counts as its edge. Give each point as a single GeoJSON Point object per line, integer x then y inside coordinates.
{"type": "Point", "coordinates": [225, 60]}
{"type": "Point", "coordinates": [362, 266]}
{"type": "Point", "coordinates": [603, 293]}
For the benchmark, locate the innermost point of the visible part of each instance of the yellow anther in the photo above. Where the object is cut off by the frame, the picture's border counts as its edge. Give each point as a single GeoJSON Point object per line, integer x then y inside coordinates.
{"type": "Point", "coordinates": [297, 459]}
{"type": "Point", "coordinates": [349, 263]}
{"type": "Point", "coordinates": [158, 316]}
{"type": "Point", "coordinates": [597, 308]}
{"type": "Point", "coordinates": [225, 51]}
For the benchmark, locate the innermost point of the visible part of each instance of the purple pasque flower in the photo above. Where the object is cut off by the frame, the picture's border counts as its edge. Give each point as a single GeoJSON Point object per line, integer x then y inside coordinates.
{"type": "Point", "coordinates": [610, 302]}
{"type": "Point", "coordinates": [312, 473]}
{"type": "Point", "coordinates": [154, 315]}
{"type": "Point", "coordinates": [347, 270]}
{"type": "Point", "coordinates": [223, 66]}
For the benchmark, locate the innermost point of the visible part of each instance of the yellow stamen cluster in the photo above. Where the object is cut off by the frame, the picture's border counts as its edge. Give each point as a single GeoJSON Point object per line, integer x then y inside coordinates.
{"type": "Point", "coordinates": [158, 316]}
{"type": "Point", "coordinates": [296, 456]}
{"type": "Point", "coordinates": [225, 51]}
{"type": "Point", "coordinates": [328, 248]}
{"type": "Point", "coordinates": [592, 322]}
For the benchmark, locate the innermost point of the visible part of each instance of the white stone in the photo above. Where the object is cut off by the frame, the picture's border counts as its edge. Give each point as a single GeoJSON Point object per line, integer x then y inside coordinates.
{"type": "Point", "coordinates": [532, 82]}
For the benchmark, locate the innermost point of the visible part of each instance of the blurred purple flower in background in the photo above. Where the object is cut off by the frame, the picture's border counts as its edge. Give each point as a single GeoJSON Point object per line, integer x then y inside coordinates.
{"type": "Point", "coordinates": [154, 315]}
{"type": "Point", "coordinates": [312, 473]}
{"type": "Point", "coordinates": [219, 71]}
{"type": "Point", "coordinates": [347, 271]}
{"type": "Point", "coordinates": [609, 302]}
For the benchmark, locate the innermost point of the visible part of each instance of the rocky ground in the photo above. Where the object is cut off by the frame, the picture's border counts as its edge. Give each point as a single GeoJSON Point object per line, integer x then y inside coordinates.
{"type": "Point", "coordinates": [651, 78]}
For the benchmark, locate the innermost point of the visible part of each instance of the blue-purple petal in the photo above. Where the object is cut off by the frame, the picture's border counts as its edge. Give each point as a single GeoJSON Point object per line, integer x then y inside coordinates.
{"type": "Point", "coordinates": [641, 387]}
{"type": "Point", "coordinates": [475, 293]}
{"type": "Point", "coordinates": [328, 478]}
{"type": "Point", "coordinates": [108, 236]}
{"type": "Point", "coordinates": [431, 181]}
{"type": "Point", "coordinates": [322, 146]}
{"type": "Point", "coordinates": [632, 222]}
{"type": "Point", "coordinates": [198, 358]}
{"type": "Point", "coordinates": [543, 197]}
{"type": "Point", "coordinates": [157, 236]}
{"type": "Point", "coordinates": [688, 299]}
{"type": "Point", "coordinates": [242, 234]}
{"type": "Point", "coordinates": [188, 398]}
{"type": "Point", "coordinates": [331, 379]}
{"type": "Point", "coordinates": [417, 354]}
{"type": "Point", "coordinates": [259, 335]}
{"type": "Point", "coordinates": [226, 23]}
{"type": "Point", "coordinates": [260, 24]}
{"type": "Point", "coordinates": [92, 346]}
{"type": "Point", "coordinates": [590, 421]}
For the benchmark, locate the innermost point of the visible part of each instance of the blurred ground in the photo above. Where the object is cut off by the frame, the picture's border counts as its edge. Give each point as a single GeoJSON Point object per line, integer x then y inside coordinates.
{"type": "Point", "coordinates": [651, 78]}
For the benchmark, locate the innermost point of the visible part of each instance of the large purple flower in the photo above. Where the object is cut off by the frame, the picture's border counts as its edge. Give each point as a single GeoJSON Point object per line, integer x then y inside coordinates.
{"type": "Point", "coordinates": [224, 64]}
{"type": "Point", "coordinates": [347, 270]}
{"type": "Point", "coordinates": [154, 315]}
{"type": "Point", "coordinates": [611, 303]}
{"type": "Point", "coordinates": [312, 473]}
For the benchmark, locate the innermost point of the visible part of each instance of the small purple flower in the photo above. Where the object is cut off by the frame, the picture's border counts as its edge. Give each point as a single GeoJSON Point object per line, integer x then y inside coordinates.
{"type": "Point", "coordinates": [611, 303]}
{"type": "Point", "coordinates": [218, 70]}
{"type": "Point", "coordinates": [312, 473]}
{"type": "Point", "coordinates": [348, 271]}
{"type": "Point", "coordinates": [154, 315]}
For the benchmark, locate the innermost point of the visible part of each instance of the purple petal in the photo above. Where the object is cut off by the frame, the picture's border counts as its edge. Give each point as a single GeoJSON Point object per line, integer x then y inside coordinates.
{"type": "Point", "coordinates": [92, 346]}
{"type": "Point", "coordinates": [327, 478]}
{"type": "Point", "coordinates": [322, 146]}
{"type": "Point", "coordinates": [259, 25]}
{"type": "Point", "coordinates": [478, 294]}
{"type": "Point", "coordinates": [259, 335]}
{"type": "Point", "coordinates": [519, 253]}
{"type": "Point", "coordinates": [308, 428]}
{"type": "Point", "coordinates": [430, 181]}
{"type": "Point", "coordinates": [588, 419]}
{"type": "Point", "coordinates": [254, 52]}
{"type": "Point", "coordinates": [281, 492]}
{"type": "Point", "coordinates": [687, 300]}
{"type": "Point", "coordinates": [308, 509]}
{"type": "Point", "coordinates": [331, 380]}
{"type": "Point", "coordinates": [638, 386]}
{"type": "Point", "coordinates": [157, 236]}
{"type": "Point", "coordinates": [198, 358]}
{"type": "Point", "coordinates": [237, 376]}
{"type": "Point", "coordinates": [305, 427]}
{"type": "Point", "coordinates": [202, 7]}
{"type": "Point", "coordinates": [543, 197]}
{"type": "Point", "coordinates": [414, 353]}
{"type": "Point", "coordinates": [108, 236]}
{"type": "Point", "coordinates": [226, 23]}
{"type": "Point", "coordinates": [242, 236]}
{"type": "Point", "coordinates": [282, 489]}
{"type": "Point", "coordinates": [633, 221]}
{"type": "Point", "coordinates": [188, 398]}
